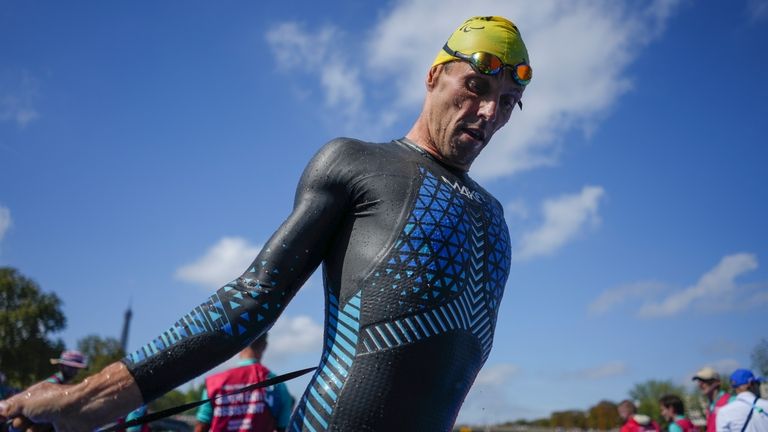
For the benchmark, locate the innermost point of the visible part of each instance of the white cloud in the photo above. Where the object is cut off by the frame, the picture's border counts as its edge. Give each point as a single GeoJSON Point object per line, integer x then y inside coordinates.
{"type": "Point", "coordinates": [758, 299]}
{"type": "Point", "coordinates": [497, 374]}
{"type": "Point", "coordinates": [487, 400]}
{"type": "Point", "coordinates": [5, 221]}
{"type": "Point", "coordinates": [298, 48]}
{"type": "Point", "coordinates": [293, 336]}
{"type": "Point", "coordinates": [564, 218]}
{"type": "Point", "coordinates": [716, 283]}
{"type": "Point", "coordinates": [600, 372]}
{"type": "Point", "coordinates": [222, 263]}
{"type": "Point", "coordinates": [614, 297]}
{"type": "Point", "coordinates": [757, 9]}
{"type": "Point", "coordinates": [516, 208]}
{"type": "Point", "coordinates": [16, 100]}
{"type": "Point", "coordinates": [580, 51]}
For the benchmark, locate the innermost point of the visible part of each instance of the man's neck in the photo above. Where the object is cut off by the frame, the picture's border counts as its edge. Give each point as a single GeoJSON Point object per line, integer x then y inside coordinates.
{"type": "Point", "coordinates": [426, 143]}
{"type": "Point", "coordinates": [423, 141]}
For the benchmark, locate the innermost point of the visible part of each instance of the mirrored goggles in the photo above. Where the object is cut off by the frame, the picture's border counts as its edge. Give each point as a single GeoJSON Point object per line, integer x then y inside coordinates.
{"type": "Point", "coordinates": [489, 64]}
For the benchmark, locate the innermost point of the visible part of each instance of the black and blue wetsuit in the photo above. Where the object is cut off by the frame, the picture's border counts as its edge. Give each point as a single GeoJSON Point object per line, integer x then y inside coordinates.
{"type": "Point", "coordinates": [415, 258]}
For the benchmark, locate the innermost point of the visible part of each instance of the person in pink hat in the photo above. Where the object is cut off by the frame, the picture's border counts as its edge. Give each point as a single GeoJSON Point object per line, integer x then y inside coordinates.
{"type": "Point", "coordinates": [70, 363]}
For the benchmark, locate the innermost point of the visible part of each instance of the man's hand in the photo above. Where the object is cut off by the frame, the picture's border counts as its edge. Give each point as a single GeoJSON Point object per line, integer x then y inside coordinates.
{"type": "Point", "coordinates": [98, 400]}
{"type": "Point", "coordinates": [36, 402]}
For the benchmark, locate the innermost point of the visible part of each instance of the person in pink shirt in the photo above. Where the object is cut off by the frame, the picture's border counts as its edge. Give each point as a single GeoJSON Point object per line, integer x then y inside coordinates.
{"type": "Point", "coordinates": [634, 422]}
{"type": "Point", "coordinates": [709, 385]}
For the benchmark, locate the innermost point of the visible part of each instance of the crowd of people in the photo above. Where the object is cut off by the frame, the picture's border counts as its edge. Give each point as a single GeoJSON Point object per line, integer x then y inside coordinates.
{"type": "Point", "coordinates": [743, 410]}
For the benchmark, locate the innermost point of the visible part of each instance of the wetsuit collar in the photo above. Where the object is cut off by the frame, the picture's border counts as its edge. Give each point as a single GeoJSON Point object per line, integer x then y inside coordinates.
{"type": "Point", "coordinates": [412, 145]}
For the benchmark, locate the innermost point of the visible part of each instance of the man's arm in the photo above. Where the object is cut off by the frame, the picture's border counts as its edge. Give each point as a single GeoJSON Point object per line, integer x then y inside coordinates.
{"type": "Point", "coordinates": [202, 427]}
{"type": "Point", "coordinates": [204, 414]}
{"type": "Point", "coordinates": [227, 321]}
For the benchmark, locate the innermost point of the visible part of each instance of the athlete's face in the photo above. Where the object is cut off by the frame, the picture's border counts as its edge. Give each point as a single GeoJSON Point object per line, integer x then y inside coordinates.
{"type": "Point", "coordinates": [465, 108]}
{"type": "Point", "coordinates": [708, 388]}
{"type": "Point", "coordinates": [624, 412]}
{"type": "Point", "coordinates": [666, 412]}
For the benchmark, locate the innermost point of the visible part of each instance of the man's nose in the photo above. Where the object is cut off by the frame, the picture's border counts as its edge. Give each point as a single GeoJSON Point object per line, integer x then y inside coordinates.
{"type": "Point", "coordinates": [488, 108]}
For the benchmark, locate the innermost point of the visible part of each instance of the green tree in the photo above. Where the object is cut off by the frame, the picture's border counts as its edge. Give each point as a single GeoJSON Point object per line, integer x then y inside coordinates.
{"type": "Point", "coordinates": [100, 352]}
{"type": "Point", "coordinates": [760, 358]}
{"type": "Point", "coordinates": [28, 317]}
{"type": "Point", "coordinates": [648, 394]}
{"type": "Point", "coordinates": [177, 397]}
{"type": "Point", "coordinates": [603, 416]}
{"type": "Point", "coordinates": [568, 419]}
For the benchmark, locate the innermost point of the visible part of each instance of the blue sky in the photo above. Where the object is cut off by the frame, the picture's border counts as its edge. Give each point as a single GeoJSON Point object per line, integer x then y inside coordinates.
{"type": "Point", "coordinates": [147, 150]}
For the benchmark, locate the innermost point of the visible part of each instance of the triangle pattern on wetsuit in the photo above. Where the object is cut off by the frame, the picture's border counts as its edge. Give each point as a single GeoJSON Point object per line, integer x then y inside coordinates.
{"type": "Point", "coordinates": [433, 237]}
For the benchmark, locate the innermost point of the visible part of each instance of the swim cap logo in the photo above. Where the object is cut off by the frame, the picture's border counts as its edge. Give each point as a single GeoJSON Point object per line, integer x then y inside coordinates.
{"type": "Point", "coordinates": [466, 28]}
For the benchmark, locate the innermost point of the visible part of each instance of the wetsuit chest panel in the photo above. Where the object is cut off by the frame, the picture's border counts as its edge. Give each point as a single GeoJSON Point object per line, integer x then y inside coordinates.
{"type": "Point", "coordinates": [445, 272]}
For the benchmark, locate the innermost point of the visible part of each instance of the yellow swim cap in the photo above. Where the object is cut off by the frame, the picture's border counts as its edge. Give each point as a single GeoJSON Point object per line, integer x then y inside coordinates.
{"type": "Point", "coordinates": [491, 34]}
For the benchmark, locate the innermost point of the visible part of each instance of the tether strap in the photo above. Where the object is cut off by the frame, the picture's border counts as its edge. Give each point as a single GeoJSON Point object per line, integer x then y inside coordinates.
{"type": "Point", "coordinates": [181, 408]}
{"type": "Point", "coordinates": [749, 417]}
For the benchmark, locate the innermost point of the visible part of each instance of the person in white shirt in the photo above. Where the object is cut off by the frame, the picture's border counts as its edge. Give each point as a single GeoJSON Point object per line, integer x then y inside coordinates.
{"type": "Point", "coordinates": [748, 412]}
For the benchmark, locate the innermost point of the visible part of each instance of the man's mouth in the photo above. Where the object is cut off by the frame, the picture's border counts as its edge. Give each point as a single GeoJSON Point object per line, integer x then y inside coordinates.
{"type": "Point", "coordinates": [476, 134]}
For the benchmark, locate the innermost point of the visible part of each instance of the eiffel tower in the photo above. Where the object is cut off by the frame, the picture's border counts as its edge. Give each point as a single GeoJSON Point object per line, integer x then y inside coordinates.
{"type": "Point", "coordinates": [126, 325]}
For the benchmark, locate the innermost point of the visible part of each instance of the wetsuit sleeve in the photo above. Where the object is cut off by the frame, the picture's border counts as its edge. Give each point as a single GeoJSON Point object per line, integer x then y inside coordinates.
{"type": "Point", "coordinates": [247, 307]}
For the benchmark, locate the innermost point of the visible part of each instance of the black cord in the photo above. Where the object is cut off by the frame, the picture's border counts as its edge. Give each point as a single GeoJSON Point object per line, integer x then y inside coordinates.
{"type": "Point", "coordinates": [181, 408]}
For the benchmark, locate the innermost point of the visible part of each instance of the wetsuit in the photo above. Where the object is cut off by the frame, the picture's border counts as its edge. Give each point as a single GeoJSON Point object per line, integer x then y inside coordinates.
{"type": "Point", "coordinates": [415, 258]}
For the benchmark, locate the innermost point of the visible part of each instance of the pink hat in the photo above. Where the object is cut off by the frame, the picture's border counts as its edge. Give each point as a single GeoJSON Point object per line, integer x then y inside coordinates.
{"type": "Point", "coordinates": [72, 358]}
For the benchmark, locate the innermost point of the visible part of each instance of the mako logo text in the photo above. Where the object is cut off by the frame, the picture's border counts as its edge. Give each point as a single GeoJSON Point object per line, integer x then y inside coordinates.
{"type": "Point", "coordinates": [467, 192]}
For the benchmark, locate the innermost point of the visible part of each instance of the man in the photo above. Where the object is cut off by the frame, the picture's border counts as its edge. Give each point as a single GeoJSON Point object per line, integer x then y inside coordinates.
{"type": "Point", "coordinates": [747, 412]}
{"type": "Point", "coordinates": [415, 257]}
{"type": "Point", "coordinates": [673, 411]}
{"type": "Point", "coordinates": [634, 422]}
{"type": "Point", "coordinates": [709, 385]}
{"type": "Point", "coordinates": [262, 410]}
{"type": "Point", "coordinates": [70, 363]}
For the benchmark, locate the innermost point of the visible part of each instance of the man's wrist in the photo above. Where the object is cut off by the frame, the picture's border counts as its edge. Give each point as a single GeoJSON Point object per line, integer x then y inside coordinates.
{"type": "Point", "coordinates": [105, 395]}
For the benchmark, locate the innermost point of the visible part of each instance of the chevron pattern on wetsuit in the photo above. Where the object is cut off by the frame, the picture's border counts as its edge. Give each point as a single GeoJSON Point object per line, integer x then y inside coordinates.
{"type": "Point", "coordinates": [449, 240]}
{"type": "Point", "coordinates": [415, 259]}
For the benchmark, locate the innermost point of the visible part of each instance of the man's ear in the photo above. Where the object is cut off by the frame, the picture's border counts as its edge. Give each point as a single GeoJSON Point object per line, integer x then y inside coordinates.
{"type": "Point", "coordinates": [432, 76]}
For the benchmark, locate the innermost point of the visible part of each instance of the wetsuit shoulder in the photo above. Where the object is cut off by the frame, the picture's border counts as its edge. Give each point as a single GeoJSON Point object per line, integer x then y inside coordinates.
{"type": "Point", "coordinates": [339, 159]}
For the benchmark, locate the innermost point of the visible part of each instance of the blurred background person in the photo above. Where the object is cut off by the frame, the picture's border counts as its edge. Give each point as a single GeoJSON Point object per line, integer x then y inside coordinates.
{"type": "Point", "coordinates": [261, 410]}
{"type": "Point", "coordinates": [70, 363]}
{"type": "Point", "coordinates": [634, 422]}
{"type": "Point", "coordinates": [709, 385]}
{"type": "Point", "coordinates": [673, 411]}
{"type": "Point", "coordinates": [748, 412]}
